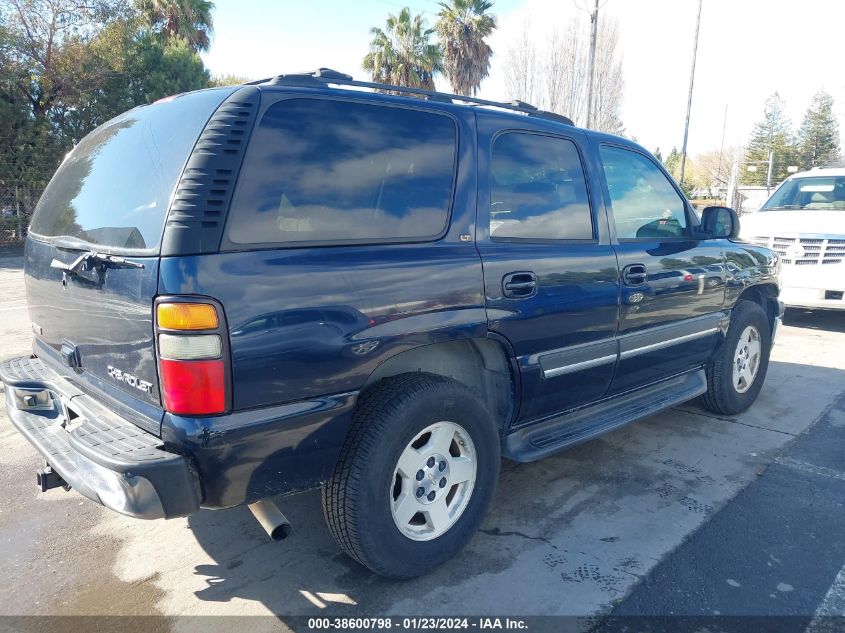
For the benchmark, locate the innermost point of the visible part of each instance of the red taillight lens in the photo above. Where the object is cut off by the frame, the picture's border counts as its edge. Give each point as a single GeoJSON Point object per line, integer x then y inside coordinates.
{"type": "Point", "coordinates": [193, 387]}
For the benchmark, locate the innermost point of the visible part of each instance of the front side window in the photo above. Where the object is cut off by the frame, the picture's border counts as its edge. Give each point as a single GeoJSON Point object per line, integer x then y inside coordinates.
{"type": "Point", "coordinates": [323, 170]}
{"type": "Point", "coordinates": [538, 189]}
{"type": "Point", "coordinates": [645, 204]}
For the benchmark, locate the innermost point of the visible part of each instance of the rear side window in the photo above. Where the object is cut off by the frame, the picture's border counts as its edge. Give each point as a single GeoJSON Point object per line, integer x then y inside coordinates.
{"type": "Point", "coordinates": [323, 170]}
{"type": "Point", "coordinates": [645, 204]}
{"type": "Point", "coordinates": [113, 190]}
{"type": "Point", "coordinates": [538, 190]}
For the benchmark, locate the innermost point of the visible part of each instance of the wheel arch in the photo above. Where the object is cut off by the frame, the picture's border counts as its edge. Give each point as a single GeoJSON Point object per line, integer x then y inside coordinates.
{"type": "Point", "coordinates": [483, 364]}
{"type": "Point", "coordinates": [766, 296]}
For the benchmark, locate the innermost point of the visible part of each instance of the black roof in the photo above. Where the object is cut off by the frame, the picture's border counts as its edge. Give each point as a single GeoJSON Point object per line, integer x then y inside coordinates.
{"type": "Point", "coordinates": [323, 77]}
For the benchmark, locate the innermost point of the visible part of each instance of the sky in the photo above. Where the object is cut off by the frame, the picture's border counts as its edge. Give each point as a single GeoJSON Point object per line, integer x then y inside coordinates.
{"type": "Point", "coordinates": [747, 50]}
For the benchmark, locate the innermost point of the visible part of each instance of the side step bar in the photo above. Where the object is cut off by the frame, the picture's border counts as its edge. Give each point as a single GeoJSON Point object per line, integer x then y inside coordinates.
{"type": "Point", "coordinates": [550, 436]}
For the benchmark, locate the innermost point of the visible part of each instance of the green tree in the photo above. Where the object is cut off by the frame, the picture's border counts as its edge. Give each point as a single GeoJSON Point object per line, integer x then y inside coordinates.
{"type": "Point", "coordinates": [657, 154]}
{"type": "Point", "coordinates": [188, 19]}
{"type": "Point", "coordinates": [68, 66]}
{"type": "Point", "coordinates": [46, 44]}
{"type": "Point", "coordinates": [771, 134]}
{"type": "Point", "coordinates": [462, 27]}
{"type": "Point", "coordinates": [227, 80]}
{"type": "Point", "coordinates": [138, 69]}
{"type": "Point", "coordinates": [673, 162]}
{"type": "Point", "coordinates": [818, 136]}
{"type": "Point", "coordinates": [403, 54]}
{"type": "Point", "coordinates": [44, 71]}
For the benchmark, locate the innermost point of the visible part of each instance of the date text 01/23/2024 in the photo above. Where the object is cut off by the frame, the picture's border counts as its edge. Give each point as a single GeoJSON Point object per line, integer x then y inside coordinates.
{"type": "Point", "coordinates": [416, 623]}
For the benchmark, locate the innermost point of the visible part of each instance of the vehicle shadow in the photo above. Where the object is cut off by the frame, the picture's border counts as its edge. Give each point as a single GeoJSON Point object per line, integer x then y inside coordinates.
{"type": "Point", "coordinates": [585, 512]}
{"type": "Point", "coordinates": [828, 320]}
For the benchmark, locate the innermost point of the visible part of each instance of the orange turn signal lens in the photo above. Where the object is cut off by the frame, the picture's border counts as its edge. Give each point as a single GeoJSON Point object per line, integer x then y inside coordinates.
{"type": "Point", "coordinates": [187, 316]}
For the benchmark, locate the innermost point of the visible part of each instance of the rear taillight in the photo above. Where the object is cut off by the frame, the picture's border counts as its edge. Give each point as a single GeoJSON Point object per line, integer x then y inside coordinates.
{"type": "Point", "coordinates": [191, 348]}
{"type": "Point", "coordinates": [193, 387]}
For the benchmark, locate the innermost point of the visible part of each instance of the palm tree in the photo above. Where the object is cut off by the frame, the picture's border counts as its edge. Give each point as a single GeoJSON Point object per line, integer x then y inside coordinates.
{"type": "Point", "coordinates": [462, 27]}
{"type": "Point", "coordinates": [403, 55]}
{"type": "Point", "coordinates": [189, 19]}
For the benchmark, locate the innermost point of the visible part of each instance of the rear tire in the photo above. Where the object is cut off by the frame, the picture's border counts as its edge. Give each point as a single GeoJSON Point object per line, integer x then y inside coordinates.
{"type": "Point", "coordinates": [738, 368]}
{"type": "Point", "coordinates": [407, 425]}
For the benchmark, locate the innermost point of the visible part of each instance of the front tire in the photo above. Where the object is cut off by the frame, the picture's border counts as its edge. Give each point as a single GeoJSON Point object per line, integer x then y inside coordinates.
{"type": "Point", "coordinates": [737, 371]}
{"type": "Point", "coordinates": [415, 476]}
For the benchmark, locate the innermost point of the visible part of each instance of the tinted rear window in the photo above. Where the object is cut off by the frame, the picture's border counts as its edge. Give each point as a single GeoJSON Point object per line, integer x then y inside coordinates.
{"type": "Point", "coordinates": [323, 170]}
{"type": "Point", "coordinates": [538, 189]}
{"type": "Point", "coordinates": [113, 190]}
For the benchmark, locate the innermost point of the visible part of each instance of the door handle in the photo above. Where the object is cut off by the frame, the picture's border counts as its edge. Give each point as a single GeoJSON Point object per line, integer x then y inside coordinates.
{"type": "Point", "coordinates": [519, 285]}
{"type": "Point", "coordinates": [634, 275]}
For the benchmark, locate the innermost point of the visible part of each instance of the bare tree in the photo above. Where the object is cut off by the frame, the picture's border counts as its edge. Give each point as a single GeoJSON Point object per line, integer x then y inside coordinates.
{"type": "Point", "coordinates": [565, 72]}
{"type": "Point", "coordinates": [521, 69]}
{"type": "Point", "coordinates": [609, 80]}
{"type": "Point", "coordinates": [712, 170]}
{"type": "Point", "coordinates": [554, 76]}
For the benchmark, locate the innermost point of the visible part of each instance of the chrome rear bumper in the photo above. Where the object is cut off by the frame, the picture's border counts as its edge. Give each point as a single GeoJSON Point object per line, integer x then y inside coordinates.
{"type": "Point", "coordinates": [97, 453]}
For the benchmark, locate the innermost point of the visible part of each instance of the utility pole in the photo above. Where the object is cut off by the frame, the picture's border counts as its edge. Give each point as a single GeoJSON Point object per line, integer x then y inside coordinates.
{"type": "Point", "coordinates": [594, 22]}
{"type": "Point", "coordinates": [689, 98]}
{"type": "Point", "coordinates": [722, 147]}
{"type": "Point", "coordinates": [769, 173]}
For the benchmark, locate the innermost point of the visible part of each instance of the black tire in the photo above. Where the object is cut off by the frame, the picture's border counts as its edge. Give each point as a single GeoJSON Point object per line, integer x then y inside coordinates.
{"type": "Point", "coordinates": [722, 395]}
{"type": "Point", "coordinates": [356, 499]}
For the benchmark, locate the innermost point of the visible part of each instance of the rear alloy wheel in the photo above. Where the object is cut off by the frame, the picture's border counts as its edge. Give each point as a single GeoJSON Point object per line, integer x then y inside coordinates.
{"type": "Point", "coordinates": [737, 370]}
{"type": "Point", "coordinates": [415, 476]}
{"type": "Point", "coordinates": [433, 481]}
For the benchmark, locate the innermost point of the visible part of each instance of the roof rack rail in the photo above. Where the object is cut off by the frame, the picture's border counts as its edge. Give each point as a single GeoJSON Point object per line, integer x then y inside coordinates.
{"type": "Point", "coordinates": [324, 76]}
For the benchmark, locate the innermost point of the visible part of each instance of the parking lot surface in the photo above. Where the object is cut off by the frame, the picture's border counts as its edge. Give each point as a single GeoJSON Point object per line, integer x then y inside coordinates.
{"type": "Point", "coordinates": [685, 513]}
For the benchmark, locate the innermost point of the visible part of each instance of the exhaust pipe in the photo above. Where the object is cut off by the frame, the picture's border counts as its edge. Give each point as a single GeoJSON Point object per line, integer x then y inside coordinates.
{"type": "Point", "coordinates": [271, 519]}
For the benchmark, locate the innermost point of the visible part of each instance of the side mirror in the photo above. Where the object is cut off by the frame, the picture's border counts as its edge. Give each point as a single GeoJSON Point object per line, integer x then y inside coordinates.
{"type": "Point", "coordinates": [720, 222]}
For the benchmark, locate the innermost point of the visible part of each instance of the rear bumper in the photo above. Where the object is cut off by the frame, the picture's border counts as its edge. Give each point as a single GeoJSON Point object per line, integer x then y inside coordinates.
{"type": "Point", "coordinates": [99, 454]}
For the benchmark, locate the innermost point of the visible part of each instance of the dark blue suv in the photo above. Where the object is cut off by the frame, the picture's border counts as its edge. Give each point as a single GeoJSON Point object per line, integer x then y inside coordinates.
{"type": "Point", "coordinates": [247, 292]}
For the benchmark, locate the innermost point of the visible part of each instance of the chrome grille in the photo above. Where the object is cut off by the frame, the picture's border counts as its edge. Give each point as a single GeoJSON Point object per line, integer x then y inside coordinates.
{"type": "Point", "coordinates": [817, 250]}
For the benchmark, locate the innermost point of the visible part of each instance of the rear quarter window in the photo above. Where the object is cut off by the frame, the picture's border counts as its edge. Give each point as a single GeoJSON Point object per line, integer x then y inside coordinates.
{"type": "Point", "coordinates": [321, 171]}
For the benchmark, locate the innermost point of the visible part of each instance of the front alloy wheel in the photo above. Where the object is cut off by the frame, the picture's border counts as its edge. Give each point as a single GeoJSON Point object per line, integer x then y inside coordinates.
{"type": "Point", "coordinates": [736, 372]}
{"type": "Point", "coordinates": [746, 359]}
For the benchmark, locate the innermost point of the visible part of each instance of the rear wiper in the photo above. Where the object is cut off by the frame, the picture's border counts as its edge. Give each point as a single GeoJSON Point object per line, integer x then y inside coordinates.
{"type": "Point", "coordinates": [93, 256]}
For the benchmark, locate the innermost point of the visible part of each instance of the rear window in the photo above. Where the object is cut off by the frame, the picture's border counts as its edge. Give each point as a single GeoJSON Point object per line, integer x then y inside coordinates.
{"type": "Point", "coordinates": [113, 190]}
{"type": "Point", "coordinates": [336, 171]}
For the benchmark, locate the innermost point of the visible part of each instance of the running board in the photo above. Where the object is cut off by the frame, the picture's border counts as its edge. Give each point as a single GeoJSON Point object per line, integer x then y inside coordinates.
{"type": "Point", "coordinates": [538, 440]}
